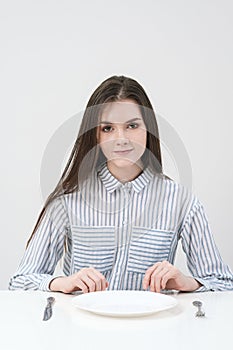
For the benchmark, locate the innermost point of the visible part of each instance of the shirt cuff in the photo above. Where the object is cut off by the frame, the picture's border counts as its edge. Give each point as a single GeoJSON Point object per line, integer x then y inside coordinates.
{"type": "Point", "coordinates": [44, 284]}
{"type": "Point", "coordinates": [205, 285]}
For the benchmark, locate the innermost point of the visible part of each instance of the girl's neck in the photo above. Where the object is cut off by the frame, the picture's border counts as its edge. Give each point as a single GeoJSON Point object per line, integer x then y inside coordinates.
{"type": "Point", "coordinates": [125, 174]}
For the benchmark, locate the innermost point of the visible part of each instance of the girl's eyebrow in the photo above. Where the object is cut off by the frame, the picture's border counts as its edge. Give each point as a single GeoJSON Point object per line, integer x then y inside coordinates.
{"type": "Point", "coordinates": [129, 121]}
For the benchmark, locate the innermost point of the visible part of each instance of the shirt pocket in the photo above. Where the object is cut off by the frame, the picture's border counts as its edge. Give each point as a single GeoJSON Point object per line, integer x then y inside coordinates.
{"type": "Point", "coordinates": [147, 247]}
{"type": "Point", "coordinates": [93, 246]}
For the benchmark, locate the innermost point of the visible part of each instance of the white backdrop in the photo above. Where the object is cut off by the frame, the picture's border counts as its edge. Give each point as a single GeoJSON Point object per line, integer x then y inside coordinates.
{"type": "Point", "coordinates": [55, 53]}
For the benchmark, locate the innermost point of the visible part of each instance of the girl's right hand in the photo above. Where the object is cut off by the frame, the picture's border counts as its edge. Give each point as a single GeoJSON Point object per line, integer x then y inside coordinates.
{"type": "Point", "coordinates": [87, 280]}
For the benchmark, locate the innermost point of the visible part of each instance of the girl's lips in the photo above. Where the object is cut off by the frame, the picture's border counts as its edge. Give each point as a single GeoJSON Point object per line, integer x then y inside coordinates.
{"type": "Point", "coordinates": [123, 152]}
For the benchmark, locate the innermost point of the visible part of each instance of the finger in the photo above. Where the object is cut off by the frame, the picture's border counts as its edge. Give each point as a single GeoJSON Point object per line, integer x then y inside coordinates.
{"type": "Point", "coordinates": [147, 277]}
{"type": "Point", "coordinates": [171, 275]}
{"type": "Point", "coordinates": [155, 283]}
{"type": "Point", "coordinates": [152, 283]}
{"type": "Point", "coordinates": [82, 286]}
{"type": "Point", "coordinates": [96, 277]}
{"type": "Point", "coordinates": [166, 277]}
{"type": "Point", "coordinates": [153, 277]}
{"type": "Point", "coordinates": [89, 282]}
{"type": "Point", "coordinates": [156, 268]}
{"type": "Point", "coordinates": [156, 278]}
{"type": "Point", "coordinates": [104, 283]}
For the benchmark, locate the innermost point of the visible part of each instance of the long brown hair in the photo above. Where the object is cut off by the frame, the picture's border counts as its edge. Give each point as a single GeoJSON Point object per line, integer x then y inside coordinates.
{"type": "Point", "coordinates": [86, 155]}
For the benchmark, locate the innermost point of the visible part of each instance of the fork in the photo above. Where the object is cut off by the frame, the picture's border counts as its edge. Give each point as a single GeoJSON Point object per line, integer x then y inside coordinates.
{"type": "Point", "coordinates": [199, 312]}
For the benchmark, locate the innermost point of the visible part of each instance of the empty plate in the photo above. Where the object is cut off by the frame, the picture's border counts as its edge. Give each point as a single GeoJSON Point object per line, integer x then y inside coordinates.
{"type": "Point", "coordinates": [124, 303]}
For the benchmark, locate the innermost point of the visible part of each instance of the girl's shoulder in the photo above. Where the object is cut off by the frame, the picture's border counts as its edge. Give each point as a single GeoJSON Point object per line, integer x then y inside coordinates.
{"type": "Point", "coordinates": [171, 188]}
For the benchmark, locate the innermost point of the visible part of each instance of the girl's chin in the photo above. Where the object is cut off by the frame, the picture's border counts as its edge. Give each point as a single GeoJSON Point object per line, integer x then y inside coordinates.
{"type": "Point", "coordinates": [123, 163]}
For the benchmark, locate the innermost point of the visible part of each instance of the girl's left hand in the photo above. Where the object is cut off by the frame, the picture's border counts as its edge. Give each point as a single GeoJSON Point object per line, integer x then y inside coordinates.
{"type": "Point", "coordinates": [163, 275]}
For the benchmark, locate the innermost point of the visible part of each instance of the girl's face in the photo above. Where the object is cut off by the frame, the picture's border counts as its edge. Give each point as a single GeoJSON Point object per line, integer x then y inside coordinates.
{"type": "Point", "coordinates": [122, 133]}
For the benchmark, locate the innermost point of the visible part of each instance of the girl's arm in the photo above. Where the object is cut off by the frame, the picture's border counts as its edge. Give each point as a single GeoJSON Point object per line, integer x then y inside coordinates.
{"type": "Point", "coordinates": [203, 258]}
{"type": "Point", "coordinates": [204, 261]}
{"type": "Point", "coordinates": [43, 252]}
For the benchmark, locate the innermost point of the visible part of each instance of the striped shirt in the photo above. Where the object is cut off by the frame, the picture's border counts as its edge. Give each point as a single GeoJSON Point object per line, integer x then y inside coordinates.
{"type": "Point", "coordinates": [122, 230]}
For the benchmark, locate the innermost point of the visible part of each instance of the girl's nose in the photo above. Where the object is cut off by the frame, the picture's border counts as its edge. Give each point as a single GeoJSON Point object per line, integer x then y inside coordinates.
{"type": "Point", "coordinates": [122, 142]}
{"type": "Point", "coordinates": [121, 137]}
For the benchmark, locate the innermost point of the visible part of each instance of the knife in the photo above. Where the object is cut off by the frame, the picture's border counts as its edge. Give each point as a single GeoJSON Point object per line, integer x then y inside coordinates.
{"type": "Point", "coordinates": [48, 309]}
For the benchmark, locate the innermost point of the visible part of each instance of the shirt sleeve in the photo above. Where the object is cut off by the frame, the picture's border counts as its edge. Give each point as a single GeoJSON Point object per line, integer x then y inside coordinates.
{"type": "Point", "coordinates": [203, 258]}
{"type": "Point", "coordinates": [46, 247]}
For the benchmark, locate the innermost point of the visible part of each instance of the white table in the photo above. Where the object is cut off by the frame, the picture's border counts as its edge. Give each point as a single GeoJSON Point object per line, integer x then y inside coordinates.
{"type": "Point", "coordinates": [21, 325]}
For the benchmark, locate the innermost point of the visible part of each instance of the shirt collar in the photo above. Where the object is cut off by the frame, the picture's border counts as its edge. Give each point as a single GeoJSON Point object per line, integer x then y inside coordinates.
{"type": "Point", "coordinates": [111, 183]}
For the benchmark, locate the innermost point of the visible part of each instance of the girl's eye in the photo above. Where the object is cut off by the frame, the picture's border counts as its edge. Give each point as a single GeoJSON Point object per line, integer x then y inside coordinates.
{"type": "Point", "coordinates": [133, 126]}
{"type": "Point", "coordinates": [106, 128]}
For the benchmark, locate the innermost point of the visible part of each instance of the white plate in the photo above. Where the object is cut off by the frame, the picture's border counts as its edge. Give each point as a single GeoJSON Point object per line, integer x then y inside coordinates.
{"type": "Point", "coordinates": [124, 303]}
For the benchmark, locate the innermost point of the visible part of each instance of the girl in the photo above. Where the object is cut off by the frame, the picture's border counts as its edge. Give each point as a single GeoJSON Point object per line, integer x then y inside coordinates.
{"type": "Point", "coordinates": [114, 217]}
